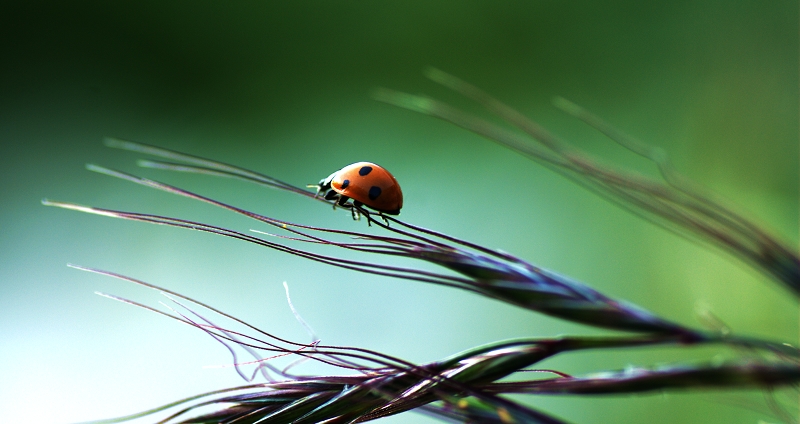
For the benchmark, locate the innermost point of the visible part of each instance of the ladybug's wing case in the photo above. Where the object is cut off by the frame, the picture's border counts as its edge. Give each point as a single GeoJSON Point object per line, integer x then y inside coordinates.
{"type": "Point", "coordinates": [371, 185]}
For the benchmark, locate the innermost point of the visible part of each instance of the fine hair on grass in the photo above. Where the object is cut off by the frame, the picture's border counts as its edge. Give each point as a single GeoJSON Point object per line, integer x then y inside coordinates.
{"type": "Point", "coordinates": [473, 385]}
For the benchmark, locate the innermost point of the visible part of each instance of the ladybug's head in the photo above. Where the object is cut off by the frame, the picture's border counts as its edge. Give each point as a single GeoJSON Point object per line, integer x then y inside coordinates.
{"type": "Point", "coordinates": [324, 184]}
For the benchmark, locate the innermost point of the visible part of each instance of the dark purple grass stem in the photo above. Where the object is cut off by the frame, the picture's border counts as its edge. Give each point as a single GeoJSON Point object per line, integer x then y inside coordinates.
{"type": "Point", "coordinates": [536, 350]}
{"type": "Point", "coordinates": [287, 226]}
{"type": "Point", "coordinates": [490, 278]}
{"type": "Point", "coordinates": [545, 347]}
{"type": "Point", "coordinates": [468, 373]}
{"type": "Point", "coordinates": [353, 395]}
{"type": "Point", "coordinates": [489, 408]}
{"type": "Point", "coordinates": [671, 377]}
{"type": "Point", "coordinates": [225, 334]}
{"type": "Point", "coordinates": [513, 281]}
{"type": "Point", "coordinates": [493, 252]}
{"type": "Point", "coordinates": [216, 168]}
{"type": "Point", "coordinates": [405, 368]}
{"type": "Point", "coordinates": [529, 287]}
{"type": "Point", "coordinates": [399, 386]}
{"type": "Point", "coordinates": [390, 370]}
{"type": "Point", "coordinates": [382, 359]}
{"type": "Point", "coordinates": [220, 169]}
{"type": "Point", "coordinates": [211, 166]}
{"type": "Point", "coordinates": [456, 261]}
{"type": "Point", "coordinates": [462, 410]}
{"type": "Point", "coordinates": [368, 267]}
{"type": "Point", "coordinates": [174, 404]}
{"type": "Point", "coordinates": [229, 336]}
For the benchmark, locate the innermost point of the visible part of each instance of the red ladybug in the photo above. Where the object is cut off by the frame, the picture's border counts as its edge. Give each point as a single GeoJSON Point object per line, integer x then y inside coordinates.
{"type": "Point", "coordinates": [367, 184]}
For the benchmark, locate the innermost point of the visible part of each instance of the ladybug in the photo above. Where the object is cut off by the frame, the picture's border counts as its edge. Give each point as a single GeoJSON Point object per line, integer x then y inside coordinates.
{"type": "Point", "coordinates": [367, 184]}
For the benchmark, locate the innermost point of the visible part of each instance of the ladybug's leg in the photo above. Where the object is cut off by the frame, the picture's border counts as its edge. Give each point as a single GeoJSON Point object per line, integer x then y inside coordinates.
{"type": "Point", "coordinates": [332, 195]}
{"type": "Point", "coordinates": [356, 210]}
{"type": "Point", "coordinates": [343, 203]}
{"type": "Point", "coordinates": [383, 217]}
{"type": "Point", "coordinates": [316, 186]}
{"type": "Point", "coordinates": [358, 205]}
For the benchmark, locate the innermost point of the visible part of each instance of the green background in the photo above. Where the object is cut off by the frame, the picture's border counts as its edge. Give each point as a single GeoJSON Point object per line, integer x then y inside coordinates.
{"type": "Point", "coordinates": [283, 88]}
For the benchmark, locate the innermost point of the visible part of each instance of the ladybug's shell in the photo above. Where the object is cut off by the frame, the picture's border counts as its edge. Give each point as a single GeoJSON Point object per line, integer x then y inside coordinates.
{"type": "Point", "coordinates": [371, 185]}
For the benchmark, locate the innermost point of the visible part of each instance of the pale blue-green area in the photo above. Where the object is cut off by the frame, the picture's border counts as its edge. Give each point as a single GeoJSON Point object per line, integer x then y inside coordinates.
{"type": "Point", "coordinates": [284, 89]}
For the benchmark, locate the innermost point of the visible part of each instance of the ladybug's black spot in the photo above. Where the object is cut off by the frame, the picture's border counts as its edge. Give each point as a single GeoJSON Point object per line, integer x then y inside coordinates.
{"type": "Point", "coordinates": [364, 170]}
{"type": "Point", "coordinates": [345, 183]}
{"type": "Point", "coordinates": [374, 192]}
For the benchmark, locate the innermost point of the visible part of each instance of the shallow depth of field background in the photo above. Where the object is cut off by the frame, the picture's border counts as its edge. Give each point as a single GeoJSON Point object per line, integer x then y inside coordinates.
{"type": "Point", "coordinates": [284, 89]}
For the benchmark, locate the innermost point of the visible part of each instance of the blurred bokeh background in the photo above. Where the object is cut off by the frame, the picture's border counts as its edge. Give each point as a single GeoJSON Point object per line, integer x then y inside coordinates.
{"type": "Point", "coordinates": [283, 88]}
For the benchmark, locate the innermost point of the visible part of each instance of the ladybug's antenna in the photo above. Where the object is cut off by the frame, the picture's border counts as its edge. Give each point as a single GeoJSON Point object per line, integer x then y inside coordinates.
{"type": "Point", "coordinates": [317, 186]}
